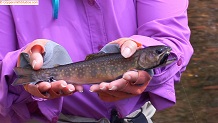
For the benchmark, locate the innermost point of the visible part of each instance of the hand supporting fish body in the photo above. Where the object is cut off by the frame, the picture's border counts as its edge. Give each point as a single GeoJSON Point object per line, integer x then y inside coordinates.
{"type": "Point", "coordinates": [97, 68]}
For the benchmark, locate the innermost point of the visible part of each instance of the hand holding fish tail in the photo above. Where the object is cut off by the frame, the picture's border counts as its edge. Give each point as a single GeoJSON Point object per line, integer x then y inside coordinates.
{"type": "Point", "coordinates": [45, 90]}
{"type": "Point", "coordinates": [132, 83]}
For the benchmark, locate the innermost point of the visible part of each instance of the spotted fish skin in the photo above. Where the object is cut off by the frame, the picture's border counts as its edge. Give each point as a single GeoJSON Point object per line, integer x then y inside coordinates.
{"type": "Point", "coordinates": [97, 67]}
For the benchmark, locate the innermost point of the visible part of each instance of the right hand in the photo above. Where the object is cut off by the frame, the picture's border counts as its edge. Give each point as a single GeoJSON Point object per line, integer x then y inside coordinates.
{"type": "Point", "coordinates": [45, 89]}
{"type": "Point", "coordinates": [132, 83]}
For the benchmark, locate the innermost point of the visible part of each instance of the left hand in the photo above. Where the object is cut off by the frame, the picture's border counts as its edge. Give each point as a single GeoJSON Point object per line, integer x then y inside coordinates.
{"type": "Point", "coordinates": [132, 83]}
{"type": "Point", "coordinates": [45, 89]}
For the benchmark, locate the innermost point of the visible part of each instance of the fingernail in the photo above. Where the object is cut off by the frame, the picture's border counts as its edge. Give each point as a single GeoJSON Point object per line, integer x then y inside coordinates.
{"type": "Point", "coordinates": [113, 88]}
{"type": "Point", "coordinates": [90, 90]}
{"type": "Point", "coordinates": [34, 63]}
{"type": "Point", "coordinates": [81, 91]}
{"type": "Point", "coordinates": [70, 90]}
{"type": "Point", "coordinates": [62, 85]}
{"type": "Point", "coordinates": [127, 77]}
{"type": "Point", "coordinates": [102, 88]}
{"type": "Point", "coordinates": [126, 52]}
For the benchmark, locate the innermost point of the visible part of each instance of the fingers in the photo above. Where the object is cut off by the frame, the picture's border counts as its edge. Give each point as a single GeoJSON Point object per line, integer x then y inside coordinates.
{"type": "Point", "coordinates": [61, 87]}
{"type": "Point", "coordinates": [143, 78]}
{"type": "Point", "coordinates": [137, 81]}
{"type": "Point", "coordinates": [128, 46]}
{"type": "Point", "coordinates": [137, 77]}
{"type": "Point", "coordinates": [34, 90]}
{"type": "Point", "coordinates": [131, 76]}
{"type": "Point", "coordinates": [99, 87]}
{"type": "Point", "coordinates": [79, 88]}
{"type": "Point", "coordinates": [109, 95]}
{"type": "Point", "coordinates": [52, 90]}
{"type": "Point", "coordinates": [94, 88]}
{"type": "Point", "coordinates": [134, 82]}
{"type": "Point", "coordinates": [43, 86]}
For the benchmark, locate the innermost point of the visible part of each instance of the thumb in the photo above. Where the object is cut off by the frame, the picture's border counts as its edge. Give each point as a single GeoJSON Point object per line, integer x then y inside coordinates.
{"type": "Point", "coordinates": [127, 45]}
{"type": "Point", "coordinates": [35, 50]}
{"type": "Point", "coordinates": [36, 59]}
{"type": "Point", "coordinates": [128, 48]}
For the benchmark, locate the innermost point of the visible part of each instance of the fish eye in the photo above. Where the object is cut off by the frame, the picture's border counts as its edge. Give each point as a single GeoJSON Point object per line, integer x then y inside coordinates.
{"type": "Point", "coordinates": [159, 51]}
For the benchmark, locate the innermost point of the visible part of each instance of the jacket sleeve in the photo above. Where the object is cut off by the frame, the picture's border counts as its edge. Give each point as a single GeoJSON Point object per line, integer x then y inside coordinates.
{"type": "Point", "coordinates": [16, 105]}
{"type": "Point", "coordinates": [165, 22]}
{"type": "Point", "coordinates": [10, 97]}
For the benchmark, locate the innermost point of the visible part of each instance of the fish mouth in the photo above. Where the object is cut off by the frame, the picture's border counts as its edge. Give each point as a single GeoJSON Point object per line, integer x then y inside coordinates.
{"type": "Point", "coordinates": [165, 52]}
{"type": "Point", "coordinates": [164, 58]}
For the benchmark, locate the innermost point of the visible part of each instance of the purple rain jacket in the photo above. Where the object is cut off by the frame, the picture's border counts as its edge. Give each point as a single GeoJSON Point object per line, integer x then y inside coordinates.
{"type": "Point", "coordinates": [84, 27]}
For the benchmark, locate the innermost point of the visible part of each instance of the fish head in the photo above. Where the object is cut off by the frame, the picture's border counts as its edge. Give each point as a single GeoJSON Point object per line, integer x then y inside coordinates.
{"type": "Point", "coordinates": [154, 56]}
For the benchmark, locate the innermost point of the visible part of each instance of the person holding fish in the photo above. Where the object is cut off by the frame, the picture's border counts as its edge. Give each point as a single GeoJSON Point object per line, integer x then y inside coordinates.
{"type": "Point", "coordinates": [138, 48]}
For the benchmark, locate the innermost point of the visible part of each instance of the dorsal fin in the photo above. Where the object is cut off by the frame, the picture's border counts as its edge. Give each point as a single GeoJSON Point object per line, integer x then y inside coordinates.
{"type": "Point", "coordinates": [97, 55]}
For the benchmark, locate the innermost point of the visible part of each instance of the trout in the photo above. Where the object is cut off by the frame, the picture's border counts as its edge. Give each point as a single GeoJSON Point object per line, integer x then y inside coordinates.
{"type": "Point", "coordinates": [96, 68]}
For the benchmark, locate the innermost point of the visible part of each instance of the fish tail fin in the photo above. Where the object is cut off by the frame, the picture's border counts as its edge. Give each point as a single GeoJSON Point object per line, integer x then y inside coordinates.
{"type": "Point", "coordinates": [24, 76]}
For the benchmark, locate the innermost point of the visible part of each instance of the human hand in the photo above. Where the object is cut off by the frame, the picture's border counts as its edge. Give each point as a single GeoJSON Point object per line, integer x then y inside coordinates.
{"type": "Point", "coordinates": [131, 84]}
{"type": "Point", "coordinates": [46, 90]}
{"type": "Point", "coordinates": [127, 46]}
